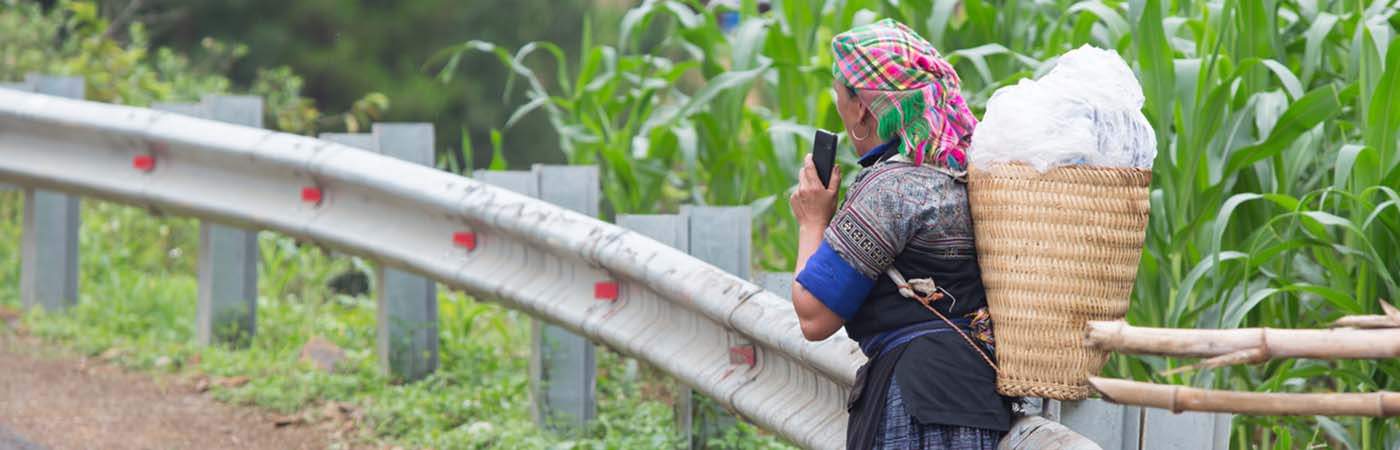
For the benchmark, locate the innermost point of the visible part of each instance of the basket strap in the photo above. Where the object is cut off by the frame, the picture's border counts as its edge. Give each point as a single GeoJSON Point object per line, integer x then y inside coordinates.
{"type": "Point", "coordinates": [908, 290]}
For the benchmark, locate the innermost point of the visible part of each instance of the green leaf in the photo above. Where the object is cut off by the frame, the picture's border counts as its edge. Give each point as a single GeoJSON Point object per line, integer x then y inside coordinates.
{"type": "Point", "coordinates": [1285, 438]}
{"type": "Point", "coordinates": [1383, 123]}
{"type": "Point", "coordinates": [468, 154]}
{"type": "Point", "coordinates": [729, 81]}
{"type": "Point", "coordinates": [1336, 432]}
{"type": "Point", "coordinates": [1117, 26]}
{"type": "Point", "coordinates": [748, 40]}
{"type": "Point", "coordinates": [1316, 34]}
{"type": "Point", "coordinates": [1291, 85]}
{"type": "Point", "coordinates": [526, 109]}
{"type": "Point", "coordinates": [1346, 162]}
{"type": "Point", "coordinates": [978, 56]}
{"type": "Point", "coordinates": [761, 206]}
{"type": "Point", "coordinates": [498, 155]}
{"type": "Point", "coordinates": [1312, 109]}
{"type": "Point", "coordinates": [1156, 70]}
{"type": "Point", "coordinates": [1188, 284]}
{"type": "Point", "coordinates": [1235, 312]}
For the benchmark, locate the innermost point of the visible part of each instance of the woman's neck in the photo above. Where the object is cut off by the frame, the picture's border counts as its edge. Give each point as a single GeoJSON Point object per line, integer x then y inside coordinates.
{"type": "Point", "coordinates": [865, 146]}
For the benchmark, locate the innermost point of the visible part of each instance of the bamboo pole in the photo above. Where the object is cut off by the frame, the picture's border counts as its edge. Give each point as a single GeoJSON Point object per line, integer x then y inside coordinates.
{"type": "Point", "coordinates": [1341, 343]}
{"type": "Point", "coordinates": [1181, 398]}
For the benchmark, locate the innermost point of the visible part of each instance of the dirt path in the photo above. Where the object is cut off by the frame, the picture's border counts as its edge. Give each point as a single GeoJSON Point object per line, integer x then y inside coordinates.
{"type": "Point", "coordinates": [53, 400]}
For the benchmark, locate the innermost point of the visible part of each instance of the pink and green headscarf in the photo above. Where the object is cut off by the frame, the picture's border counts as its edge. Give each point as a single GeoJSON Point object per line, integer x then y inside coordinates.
{"type": "Point", "coordinates": [912, 91]}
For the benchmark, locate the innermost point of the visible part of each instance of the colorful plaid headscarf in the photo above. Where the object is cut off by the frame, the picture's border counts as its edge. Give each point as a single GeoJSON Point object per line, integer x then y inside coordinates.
{"type": "Point", "coordinates": [910, 89]}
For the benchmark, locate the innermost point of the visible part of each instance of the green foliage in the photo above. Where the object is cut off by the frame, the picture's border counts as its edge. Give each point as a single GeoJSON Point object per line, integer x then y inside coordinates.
{"type": "Point", "coordinates": [73, 39]}
{"type": "Point", "coordinates": [1274, 192]}
{"type": "Point", "coordinates": [346, 48]}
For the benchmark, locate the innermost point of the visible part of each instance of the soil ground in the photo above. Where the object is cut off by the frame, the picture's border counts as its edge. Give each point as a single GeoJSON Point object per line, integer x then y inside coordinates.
{"type": "Point", "coordinates": [52, 399]}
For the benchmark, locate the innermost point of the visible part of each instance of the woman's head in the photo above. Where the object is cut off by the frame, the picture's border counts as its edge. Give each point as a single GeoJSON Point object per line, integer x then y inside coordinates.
{"type": "Point", "coordinates": [890, 82]}
{"type": "Point", "coordinates": [859, 121]}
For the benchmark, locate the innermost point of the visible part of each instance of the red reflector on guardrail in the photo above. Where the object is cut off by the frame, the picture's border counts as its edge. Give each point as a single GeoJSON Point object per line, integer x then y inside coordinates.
{"type": "Point", "coordinates": [311, 194]}
{"type": "Point", "coordinates": [464, 239]}
{"type": "Point", "coordinates": [605, 290]}
{"type": "Point", "coordinates": [742, 354]}
{"type": "Point", "coordinates": [144, 163]}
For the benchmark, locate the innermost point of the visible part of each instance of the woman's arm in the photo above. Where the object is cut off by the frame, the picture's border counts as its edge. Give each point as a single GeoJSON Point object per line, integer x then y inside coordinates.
{"type": "Point", "coordinates": [818, 321]}
{"type": "Point", "coordinates": [813, 205]}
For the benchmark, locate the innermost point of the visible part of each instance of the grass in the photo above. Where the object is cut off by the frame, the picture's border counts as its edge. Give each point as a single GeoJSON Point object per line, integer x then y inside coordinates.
{"type": "Point", "coordinates": [137, 306]}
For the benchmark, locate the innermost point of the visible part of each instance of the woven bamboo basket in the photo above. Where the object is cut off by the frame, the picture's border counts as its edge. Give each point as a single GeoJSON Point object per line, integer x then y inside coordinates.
{"type": "Point", "coordinates": [1056, 249]}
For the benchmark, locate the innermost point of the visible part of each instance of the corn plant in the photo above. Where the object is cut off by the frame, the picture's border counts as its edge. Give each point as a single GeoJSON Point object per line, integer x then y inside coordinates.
{"type": "Point", "coordinates": [1274, 192]}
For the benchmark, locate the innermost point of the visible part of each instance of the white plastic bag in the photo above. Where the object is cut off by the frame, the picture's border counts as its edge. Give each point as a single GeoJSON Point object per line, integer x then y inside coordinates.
{"type": "Point", "coordinates": [1086, 111]}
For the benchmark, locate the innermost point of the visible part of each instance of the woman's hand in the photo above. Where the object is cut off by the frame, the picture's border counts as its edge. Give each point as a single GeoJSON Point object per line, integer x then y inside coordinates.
{"type": "Point", "coordinates": [812, 203]}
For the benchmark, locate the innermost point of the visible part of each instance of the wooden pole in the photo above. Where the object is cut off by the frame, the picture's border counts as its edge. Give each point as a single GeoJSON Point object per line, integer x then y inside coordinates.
{"type": "Point", "coordinates": [1341, 343]}
{"type": "Point", "coordinates": [1182, 398]}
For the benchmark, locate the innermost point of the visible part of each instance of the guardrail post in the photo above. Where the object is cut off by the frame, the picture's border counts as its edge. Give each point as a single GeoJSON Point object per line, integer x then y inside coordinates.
{"type": "Point", "coordinates": [562, 380]}
{"type": "Point", "coordinates": [1133, 428]}
{"type": "Point", "coordinates": [1040, 433]}
{"type": "Point", "coordinates": [408, 309]}
{"type": "Point", "coordinates": [19, 86]}
{"type": "Point", "coordinates": [187, 109]}
{"type": "Point", "coordinates": [1194, 430]}
{"type": "Point", "coordinates": [672, 230]}
{"type": "Point", "coordinates": [719, 235]}
{"type": "Point", "coordinates": [49, 245]}
{"type": "Point", "coordinates": [565, 375]}
{"type": "Point", "coordinates": [776, 282]}
{"type": "Point", "coordinates": [1107, 424]}
{"type": "Point", "coordinates": [228, 256]}
{"type": "Point", "coordinates": [364, 141]}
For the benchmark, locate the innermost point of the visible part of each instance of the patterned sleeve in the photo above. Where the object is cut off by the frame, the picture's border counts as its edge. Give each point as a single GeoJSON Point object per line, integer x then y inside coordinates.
{"type": "Point", "coordinates": [878, 218]}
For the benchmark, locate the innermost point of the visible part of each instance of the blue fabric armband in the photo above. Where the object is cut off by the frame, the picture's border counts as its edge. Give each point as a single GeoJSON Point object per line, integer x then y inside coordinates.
{"type": "Point", "coordinates": [838, 285]}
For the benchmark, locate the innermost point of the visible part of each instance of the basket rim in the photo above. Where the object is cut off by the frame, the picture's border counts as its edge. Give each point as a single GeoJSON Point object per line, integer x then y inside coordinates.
{"type": "Point", "coordinates": [1072, 167]}
{"type": "Point", "coordinates": [1107, 176]}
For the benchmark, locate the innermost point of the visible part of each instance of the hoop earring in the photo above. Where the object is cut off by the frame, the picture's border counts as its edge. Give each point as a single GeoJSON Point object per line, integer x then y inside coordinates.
{"type": "Point", "coordinates": [854, 138]}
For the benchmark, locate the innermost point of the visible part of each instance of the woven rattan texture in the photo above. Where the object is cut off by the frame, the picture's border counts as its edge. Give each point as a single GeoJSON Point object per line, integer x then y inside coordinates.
{"type": "Point", "coordinates": [1057, 249]}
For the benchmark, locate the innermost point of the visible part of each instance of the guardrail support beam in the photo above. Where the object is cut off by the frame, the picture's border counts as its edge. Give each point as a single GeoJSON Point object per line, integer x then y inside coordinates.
{"type": "Point", "coordinates": [228, 256]}
{"type": "Point", "coordinates": [408, 308]}
{"type": "Point", "coordinates": [564, 382]}
{"type": "Point", "coordinates": [562, 368]}
{"type": "Point", "coordinates": [49, 244]}
{"type": "Point", "coordinates": [719, 235]}
{"type": "Point", "coordinates": [672, 230]}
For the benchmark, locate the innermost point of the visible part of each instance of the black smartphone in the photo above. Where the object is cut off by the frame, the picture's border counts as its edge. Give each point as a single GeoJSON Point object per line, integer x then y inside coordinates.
{"type": "Point", "coordinates": [824, 155]}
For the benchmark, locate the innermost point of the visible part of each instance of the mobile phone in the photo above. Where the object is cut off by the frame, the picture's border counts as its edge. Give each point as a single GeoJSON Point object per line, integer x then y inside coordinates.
{"type": "Point", "coordinates": [824, 155]}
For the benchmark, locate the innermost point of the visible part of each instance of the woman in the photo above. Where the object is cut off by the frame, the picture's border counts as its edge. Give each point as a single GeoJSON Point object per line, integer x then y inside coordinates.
{"type": "Point", "coordinates": [930, 384]}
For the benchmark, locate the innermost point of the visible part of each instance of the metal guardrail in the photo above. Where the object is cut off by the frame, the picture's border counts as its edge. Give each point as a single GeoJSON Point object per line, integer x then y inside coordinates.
{"type": "Point", "coordinates": [671, 309]}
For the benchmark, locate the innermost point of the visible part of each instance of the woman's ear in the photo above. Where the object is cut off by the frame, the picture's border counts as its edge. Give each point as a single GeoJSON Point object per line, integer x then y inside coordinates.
{"type": "Point", "coordinates": [867, 119]}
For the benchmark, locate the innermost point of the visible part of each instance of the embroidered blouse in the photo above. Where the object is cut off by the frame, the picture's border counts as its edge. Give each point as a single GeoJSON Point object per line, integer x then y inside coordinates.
{"type": "Point", "coordinates": [917, 219]}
